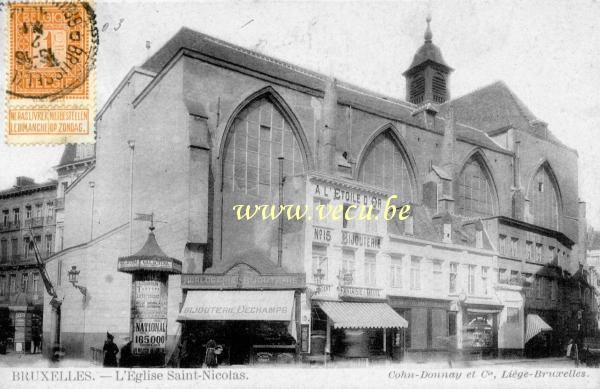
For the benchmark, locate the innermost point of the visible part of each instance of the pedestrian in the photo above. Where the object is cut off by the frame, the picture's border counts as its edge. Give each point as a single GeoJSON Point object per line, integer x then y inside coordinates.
{"type": "Point", "coordinates": [37, 340]}
{"type": "Point", "coordinates": [110, 351]}
{"type": "Point", "coordinates": [210, 358]}
{"type": "Point", "coordinates": [126, 359]}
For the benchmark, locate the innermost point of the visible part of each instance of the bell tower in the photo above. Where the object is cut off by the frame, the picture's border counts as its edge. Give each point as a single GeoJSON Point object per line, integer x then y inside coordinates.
{"type": "Point", "coordinates": [427, 78]}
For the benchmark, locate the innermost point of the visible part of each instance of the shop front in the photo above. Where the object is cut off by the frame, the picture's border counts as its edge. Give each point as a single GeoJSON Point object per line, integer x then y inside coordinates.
{"type": "Point", "coordinates": [343, 330]}
{"type": "Point", "coordinates": [253, 318]}
{"type": "Point", "coordinates": [431, 326]}
{"type": "Point", "coordinates": [477, 322]}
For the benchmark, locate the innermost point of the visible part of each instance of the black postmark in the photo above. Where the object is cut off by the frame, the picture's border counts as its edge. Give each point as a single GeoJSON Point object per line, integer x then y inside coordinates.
{"type": "Point", "coordinates": [38, 70]}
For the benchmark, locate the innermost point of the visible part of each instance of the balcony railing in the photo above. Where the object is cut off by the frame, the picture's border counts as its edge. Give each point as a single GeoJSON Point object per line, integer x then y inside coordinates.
{"type": "Point", "coordinates": [18, 260]}
{"type": "Point", "coordinates": [10, 226]}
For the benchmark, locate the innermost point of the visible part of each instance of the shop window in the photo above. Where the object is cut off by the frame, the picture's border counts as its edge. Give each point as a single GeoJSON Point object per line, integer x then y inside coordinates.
{"type": "Point", "coordinates": [514, 247]}
{"type": "Point", "coordinates": [406, 314]}
{"type": "Point", "coordinates": [514, 277]}
{"type": "Point", "coordinates": [512, 315]}
{"type": "Point", "coordinates": [319, 264]}
{"type": "Point", "coordinates": [502, 276]}
{"type": "Point", "coordinates": [452, 324]}
{"type": "Point", "coordinates": [415, 273]}
{"type": "Point", "coordinates": [396, 273]}
{"type": "Point", "coordinates": [484, 281]}
{"type": "Point", "coordinates": [471, 280]}
{"type": "Point", "coordinates": [370, 269]}
{"type": "Point", "coordinates": [453, 277]}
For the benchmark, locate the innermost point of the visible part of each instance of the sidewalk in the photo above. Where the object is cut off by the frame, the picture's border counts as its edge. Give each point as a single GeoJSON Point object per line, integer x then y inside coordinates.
{"type": "Point", "coordinates": [39, 361]}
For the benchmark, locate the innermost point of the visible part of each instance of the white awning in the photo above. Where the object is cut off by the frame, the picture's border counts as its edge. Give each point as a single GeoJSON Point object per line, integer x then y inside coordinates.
{"type": "Point", "coordinates": [272, 305]}
{"type": "Point", "coordinates": [535, 325]}
{"type": "Point", "coordinates": [362, 315]}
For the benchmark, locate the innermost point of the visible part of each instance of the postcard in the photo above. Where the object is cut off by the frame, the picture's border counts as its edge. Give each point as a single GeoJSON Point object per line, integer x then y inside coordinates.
{"type": "Point", "coordinates": [299, 194]}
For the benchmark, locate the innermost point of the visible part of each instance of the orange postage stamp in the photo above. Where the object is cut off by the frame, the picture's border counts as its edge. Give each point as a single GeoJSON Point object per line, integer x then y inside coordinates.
{"type": "Point", "coordinates": [50, 96]}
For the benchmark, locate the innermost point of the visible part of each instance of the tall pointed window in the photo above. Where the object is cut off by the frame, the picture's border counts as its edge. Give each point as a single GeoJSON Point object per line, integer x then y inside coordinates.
{"type": "Point", "coordinates": [259, 135]}
{"type": "Point", "coordinates": [475, 196]}
{"type": "Point", "coordinates": [543, 199]}
{"type": "Point", "coordinates": [385, 166]}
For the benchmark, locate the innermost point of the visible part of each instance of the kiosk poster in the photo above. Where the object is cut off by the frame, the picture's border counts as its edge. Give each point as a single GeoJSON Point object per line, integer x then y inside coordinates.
{"type": "Point", "coordinates": [149, 313]}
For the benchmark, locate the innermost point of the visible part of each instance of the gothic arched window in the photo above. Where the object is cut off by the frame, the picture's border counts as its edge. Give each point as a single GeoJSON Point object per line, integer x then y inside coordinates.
{"type": "Point", "coordinates": [258, 136]}
{"type": "Point", "coordinates": [385, 166]}
{"type": "Point", "coordinates": [543, 199]}
{"type": "Point", "coordinates": [475, 195]}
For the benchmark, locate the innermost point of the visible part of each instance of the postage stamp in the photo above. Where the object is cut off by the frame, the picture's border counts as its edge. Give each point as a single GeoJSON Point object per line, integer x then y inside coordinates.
{"type": "Point", "coordinates": [50, 96]}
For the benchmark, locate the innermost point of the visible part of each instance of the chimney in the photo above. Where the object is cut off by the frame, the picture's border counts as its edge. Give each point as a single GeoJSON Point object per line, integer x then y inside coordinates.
{"type": "Point", "coordinates": [327, 160]}
{"type": "Point", "coordinates": [24, 181]}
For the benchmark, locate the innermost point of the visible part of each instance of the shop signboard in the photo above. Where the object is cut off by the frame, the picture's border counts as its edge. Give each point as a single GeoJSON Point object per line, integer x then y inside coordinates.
{"type": "Point", "coordinates": [347, 195]}
{"type": "Point", "coordinates": [149, 313]}
{"type": "Point", "coordinates": [356, 239]}
{"type": "Point", "coordinates": [242, 281]}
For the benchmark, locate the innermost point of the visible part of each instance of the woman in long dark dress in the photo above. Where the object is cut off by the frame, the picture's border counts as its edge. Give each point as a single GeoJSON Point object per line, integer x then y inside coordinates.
{"type": "Point", "coordinates": [110, 352]}
{"type": "Point", "coordinates": [211, 357]}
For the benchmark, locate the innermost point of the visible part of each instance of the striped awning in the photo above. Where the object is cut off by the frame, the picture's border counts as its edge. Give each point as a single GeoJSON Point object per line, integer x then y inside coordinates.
{"type": "Point", "coordinates": [535, 325]}
{"type": "Point", "coordinates": [362, 315]}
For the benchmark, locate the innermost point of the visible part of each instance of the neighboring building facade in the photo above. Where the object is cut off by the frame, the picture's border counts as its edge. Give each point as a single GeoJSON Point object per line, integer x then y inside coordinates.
{"type": "Point", "coordinates": [27, 212]}
{"type": "Point", "coordinates": [201, 127]}
{"type": "Point", "coordinates": [75, 160]}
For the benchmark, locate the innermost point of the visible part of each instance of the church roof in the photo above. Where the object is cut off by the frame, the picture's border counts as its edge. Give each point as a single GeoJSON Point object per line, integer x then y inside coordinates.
{"type": "Point", "coordinates": [494, 107]}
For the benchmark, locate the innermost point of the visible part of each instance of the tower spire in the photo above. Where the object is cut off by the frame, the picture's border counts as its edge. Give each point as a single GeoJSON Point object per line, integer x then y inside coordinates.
{"type": "Point", "coordinates": [428, 34]}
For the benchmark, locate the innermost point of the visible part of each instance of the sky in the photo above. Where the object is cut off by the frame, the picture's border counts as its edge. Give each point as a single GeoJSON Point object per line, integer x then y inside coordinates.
{"type": "Point", "coordinates": [547, 52]}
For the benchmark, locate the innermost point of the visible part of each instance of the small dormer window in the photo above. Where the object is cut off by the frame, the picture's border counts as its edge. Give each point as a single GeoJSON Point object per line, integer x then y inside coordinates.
{"type": "Point", "coordinates": [447, 233]}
